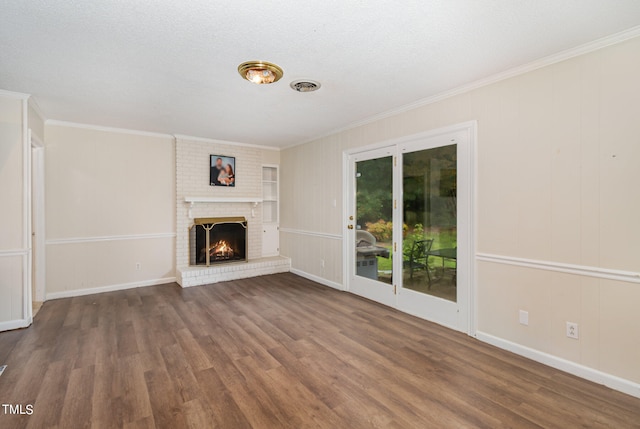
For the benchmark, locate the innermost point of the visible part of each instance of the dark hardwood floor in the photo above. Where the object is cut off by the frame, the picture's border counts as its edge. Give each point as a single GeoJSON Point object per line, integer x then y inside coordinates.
{"type": "Point", "coordinates": [277, 352]}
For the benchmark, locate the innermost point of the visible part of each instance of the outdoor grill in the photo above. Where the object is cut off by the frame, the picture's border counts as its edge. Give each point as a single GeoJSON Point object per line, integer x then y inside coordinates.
{"type": "Point", "coordinates": [367, 253]}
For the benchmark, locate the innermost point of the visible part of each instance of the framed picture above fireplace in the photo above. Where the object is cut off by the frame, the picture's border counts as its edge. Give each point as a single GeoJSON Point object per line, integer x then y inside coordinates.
{"type": "Point", "coordinates": [222, 170]}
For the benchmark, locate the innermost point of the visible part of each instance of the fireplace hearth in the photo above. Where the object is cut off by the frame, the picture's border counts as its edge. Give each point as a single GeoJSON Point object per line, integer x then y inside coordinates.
{"type": "Point", "coordinates": [217, 240]}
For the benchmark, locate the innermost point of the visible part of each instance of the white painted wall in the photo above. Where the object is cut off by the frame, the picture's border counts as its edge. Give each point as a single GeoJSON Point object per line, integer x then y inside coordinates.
{"type": "Point", "coordinates": [110, 204]}
{"type": "Point", "coordinates": [14, 245]}
{"type": "Point", "coordinates": [558, 156]}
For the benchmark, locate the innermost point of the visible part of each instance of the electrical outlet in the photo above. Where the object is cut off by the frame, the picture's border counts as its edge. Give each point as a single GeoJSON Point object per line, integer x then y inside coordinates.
{"type": "Point", "coordinates": [524, 317]}
{"type": "Point", "coordinates": [572, 330]}
{"type": "Point", "coordinates": [137, 265]}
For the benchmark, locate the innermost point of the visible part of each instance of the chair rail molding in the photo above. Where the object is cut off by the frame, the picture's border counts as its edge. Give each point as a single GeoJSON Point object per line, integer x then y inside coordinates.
{"type": "Point", "coordinates": [14, 252]}
{"type": "Point", "coordinates": [311, 233]}
{"type": "Point", "coordinates": [580, 270]}
{"type": "Point", "coordinates": [74, 240]}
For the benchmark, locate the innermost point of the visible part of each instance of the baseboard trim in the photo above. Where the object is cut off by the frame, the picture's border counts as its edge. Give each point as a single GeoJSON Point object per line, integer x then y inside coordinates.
{"type": "Point", "coordinates": [15, 324]}
{"type": "Point", "coordinates": [317, 279]}
{"type": "Point", "coordinates": [109, 288]}
{"type": "Point", "coordinates": [614, 382]}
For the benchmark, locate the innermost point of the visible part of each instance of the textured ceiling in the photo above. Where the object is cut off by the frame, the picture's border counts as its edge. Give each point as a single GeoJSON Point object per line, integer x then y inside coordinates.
{"type": "Point", "coordinates": [170, 66]}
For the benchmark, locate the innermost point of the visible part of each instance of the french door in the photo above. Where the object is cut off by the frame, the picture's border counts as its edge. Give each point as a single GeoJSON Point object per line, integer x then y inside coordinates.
{"type": "Point", "coordinates": [409, 235]}
{"type": "Point", "coordinates": [371, 223]}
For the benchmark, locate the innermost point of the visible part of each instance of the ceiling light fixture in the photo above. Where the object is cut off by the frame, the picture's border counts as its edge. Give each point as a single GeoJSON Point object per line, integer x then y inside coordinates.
{"type": "Point", "coordinates": [260, 72]}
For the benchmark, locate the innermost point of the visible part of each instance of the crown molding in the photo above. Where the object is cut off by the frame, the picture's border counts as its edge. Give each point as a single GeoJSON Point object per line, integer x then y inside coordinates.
{"type": "Point", "coordinates": [509, 73]}
{"type": "Point", "coordinates": [36, 107]}
{"type": "Point", "coordinates": [57, 123]}
{"type": "Point", "coordinates": [224, 142]}
{"type": "Point", "coordinates": [12, 94]}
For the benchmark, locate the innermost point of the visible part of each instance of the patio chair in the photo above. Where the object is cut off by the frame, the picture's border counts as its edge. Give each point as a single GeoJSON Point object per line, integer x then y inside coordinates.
{"type": "Point", "coordinates": [418, 257]}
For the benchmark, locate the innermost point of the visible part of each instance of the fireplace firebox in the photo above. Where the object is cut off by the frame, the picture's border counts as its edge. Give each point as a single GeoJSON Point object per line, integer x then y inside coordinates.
{"type": "Point", "coordinates": [217, 240]}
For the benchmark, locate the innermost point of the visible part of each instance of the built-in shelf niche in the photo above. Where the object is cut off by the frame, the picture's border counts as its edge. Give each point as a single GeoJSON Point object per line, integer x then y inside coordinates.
{"type": "Point", "coordinates": [269, 194]}
{"type": "Point", "coordinates": [270, 211]}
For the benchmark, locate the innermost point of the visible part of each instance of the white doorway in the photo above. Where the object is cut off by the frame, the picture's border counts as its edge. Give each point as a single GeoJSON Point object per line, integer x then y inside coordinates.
{"type": "Point", "coordinates": [37, 224]}
{"type": "Point", "coordinates": [409, 225]}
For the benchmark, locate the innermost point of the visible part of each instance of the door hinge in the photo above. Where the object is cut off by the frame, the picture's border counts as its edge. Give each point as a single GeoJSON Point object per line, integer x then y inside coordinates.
{"type": "Point", "coordinates": [395, 246]}
{"type": "Point", "coordinates": [395, 289]}
{"type": "Point", "coordinates": [395, 161]}
{"type": "Point", "coordinates": [395, 204]}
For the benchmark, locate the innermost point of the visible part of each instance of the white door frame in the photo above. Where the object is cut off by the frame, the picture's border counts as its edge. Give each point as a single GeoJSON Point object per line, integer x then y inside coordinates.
{"type": "Point", "coordinates": [37, 190]}
{"type": "Point", "coordinates": [470, 175]}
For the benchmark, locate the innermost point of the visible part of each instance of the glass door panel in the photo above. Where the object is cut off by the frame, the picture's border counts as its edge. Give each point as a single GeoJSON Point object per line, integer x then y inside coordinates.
{"type": "Point", "coordinates": [370, 227]}
{"type": "Point", "coordinates": [430, 221]}
{"type": "Point", "coordinates": [374, 219]}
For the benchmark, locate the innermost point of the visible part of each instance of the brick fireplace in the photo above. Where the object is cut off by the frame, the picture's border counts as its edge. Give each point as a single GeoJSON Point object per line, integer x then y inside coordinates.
{"type": "Point", "coordinates": [199, 205]}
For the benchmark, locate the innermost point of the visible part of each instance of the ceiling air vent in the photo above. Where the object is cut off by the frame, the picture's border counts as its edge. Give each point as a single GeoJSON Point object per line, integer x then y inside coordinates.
{"type": "Point", "coordinates": [305, 85]}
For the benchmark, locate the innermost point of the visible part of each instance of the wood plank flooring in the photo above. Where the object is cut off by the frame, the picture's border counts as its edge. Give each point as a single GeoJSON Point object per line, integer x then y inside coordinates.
{"type": "Point", "coordinates": [277, 352]}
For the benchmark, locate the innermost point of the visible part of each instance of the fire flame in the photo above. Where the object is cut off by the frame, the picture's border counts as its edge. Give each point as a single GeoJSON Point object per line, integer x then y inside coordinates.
{"type": "Point", "coordinates": [221, 249]}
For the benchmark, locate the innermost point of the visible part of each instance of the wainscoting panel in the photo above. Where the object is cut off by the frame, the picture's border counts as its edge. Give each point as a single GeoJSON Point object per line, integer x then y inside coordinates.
{"type": "Point", "coordinates": [108, 263]}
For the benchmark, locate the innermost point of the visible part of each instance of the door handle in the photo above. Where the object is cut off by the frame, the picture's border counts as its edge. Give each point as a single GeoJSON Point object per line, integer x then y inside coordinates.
{"type": "Point", "coordinates": [350, 226]}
